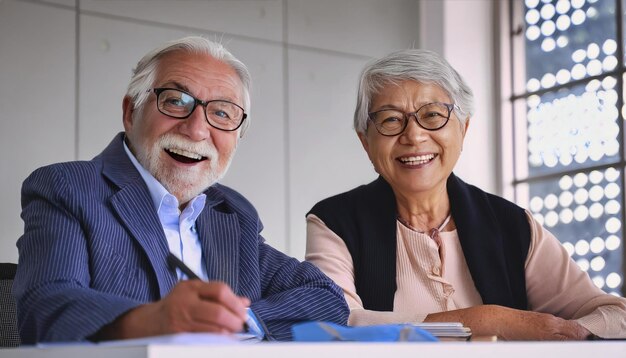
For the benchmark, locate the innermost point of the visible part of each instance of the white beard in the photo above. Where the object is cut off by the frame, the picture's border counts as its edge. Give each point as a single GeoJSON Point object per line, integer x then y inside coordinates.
{"type": "Point", "coordinates": [188, 183]}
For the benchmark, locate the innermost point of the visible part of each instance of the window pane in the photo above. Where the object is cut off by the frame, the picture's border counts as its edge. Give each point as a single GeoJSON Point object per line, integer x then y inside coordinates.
{"type": "Point", "coordinates": [568, 40]}
{"type": "Point", "coordinates": [567, 99]}
{"type": "Point", "coordinates": [584, 212]}
{"type": "Point", "coordinates": [573, 128]}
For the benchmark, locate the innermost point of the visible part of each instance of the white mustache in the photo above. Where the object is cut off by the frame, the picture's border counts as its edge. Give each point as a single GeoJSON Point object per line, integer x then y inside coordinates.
{"type": "Point", "coordinates": [173, 141]}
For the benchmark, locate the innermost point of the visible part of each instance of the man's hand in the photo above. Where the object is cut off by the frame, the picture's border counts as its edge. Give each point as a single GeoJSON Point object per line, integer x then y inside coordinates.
{"type": "Point", "coordinates": [192, 306]}
{"type": "Point", "coordinates": [512, 324]}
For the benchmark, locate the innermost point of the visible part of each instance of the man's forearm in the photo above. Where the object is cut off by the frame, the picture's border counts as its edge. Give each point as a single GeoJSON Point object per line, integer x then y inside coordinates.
{"type": "Point", "coordinates": [135, 323]}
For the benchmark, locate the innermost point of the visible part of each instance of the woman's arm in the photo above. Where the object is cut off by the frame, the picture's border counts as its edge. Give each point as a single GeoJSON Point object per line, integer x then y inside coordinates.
{"type": "Point", "coordinates": [512, 324]}
{"type": "Point", "coordinates": [555, 284]}
{"type": "Point", "coordinates": [563, 301]}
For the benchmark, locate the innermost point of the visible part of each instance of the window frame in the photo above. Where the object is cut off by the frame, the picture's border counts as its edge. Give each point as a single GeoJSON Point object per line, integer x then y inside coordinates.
{"type": "Point", "coordinates": [511, 87]}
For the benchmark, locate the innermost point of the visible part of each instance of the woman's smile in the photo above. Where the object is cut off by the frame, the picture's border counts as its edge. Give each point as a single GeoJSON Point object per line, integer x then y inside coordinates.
{"type": "Point", "coordinates": [416, 160]}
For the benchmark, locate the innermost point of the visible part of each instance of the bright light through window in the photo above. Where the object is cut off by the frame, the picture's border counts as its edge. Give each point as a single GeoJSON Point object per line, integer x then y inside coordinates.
{"type": "Point", "coordinates": [567, 154]}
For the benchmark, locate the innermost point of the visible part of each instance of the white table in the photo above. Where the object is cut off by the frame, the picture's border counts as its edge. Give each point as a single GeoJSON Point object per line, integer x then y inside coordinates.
{"type": "Point", "coordinates": [594, 349]}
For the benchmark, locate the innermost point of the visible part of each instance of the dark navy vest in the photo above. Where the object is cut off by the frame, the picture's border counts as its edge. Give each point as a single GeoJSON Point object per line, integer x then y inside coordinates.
{"type": "Point", "coordinates": [494, 235]}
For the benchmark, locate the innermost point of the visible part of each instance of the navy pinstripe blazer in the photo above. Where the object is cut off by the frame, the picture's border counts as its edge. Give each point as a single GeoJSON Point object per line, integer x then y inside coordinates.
{"type": "Point", "coordinates": [93, 248]}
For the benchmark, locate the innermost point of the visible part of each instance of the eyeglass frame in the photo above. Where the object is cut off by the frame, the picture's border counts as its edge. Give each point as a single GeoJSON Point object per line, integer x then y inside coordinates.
{"type": "Point", "coordinates": [450, 106]}
{"type": "Point", "coordinates": [196, 101]}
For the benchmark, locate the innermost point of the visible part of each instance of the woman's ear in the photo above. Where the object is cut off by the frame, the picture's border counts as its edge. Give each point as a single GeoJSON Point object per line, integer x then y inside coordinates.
{"type": "Point", "coordinates": [466, 126]}
{"type": "Point", "coordinates": [366, 146]}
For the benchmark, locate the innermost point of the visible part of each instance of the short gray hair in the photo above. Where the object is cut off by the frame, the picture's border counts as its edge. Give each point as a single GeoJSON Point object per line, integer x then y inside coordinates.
{"type": "Point", "coordinates": [422, 66]}
{"type": "Point", "coordinates": [145, 72]}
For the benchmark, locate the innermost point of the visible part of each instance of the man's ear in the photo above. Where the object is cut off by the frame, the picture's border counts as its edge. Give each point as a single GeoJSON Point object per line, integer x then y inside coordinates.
{"type": "Point", "coordinates": [363, 139]}
{"type": "Point", "coordinates": [127, 113]}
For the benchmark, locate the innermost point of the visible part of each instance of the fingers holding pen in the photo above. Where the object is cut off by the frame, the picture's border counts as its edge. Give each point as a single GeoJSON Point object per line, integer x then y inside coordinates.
{"type": "Point", "coordinates": [191, 306]}
{"type": "Point", "coordinates": [197, 306]}
{"type": "Point", "coordinates": [227, 302]}
{"type": "Point", "coordinates": [219, 301]}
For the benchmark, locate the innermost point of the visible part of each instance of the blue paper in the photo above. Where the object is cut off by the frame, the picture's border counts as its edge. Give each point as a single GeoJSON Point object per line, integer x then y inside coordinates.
{"type": "Point", "coordinates": [326, 331]}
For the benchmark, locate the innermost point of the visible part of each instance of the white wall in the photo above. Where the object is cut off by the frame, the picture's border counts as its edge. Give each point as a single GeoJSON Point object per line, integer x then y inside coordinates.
{"type": "Point", "coordinates": [64, 66]}
{"type": "Point", "coordinates": [469, 47]}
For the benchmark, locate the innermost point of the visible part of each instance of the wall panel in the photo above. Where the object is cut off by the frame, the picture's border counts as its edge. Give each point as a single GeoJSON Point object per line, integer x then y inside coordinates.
{"type": "Point", "coordinates": [37, 98]}
{"type": "Point", "coordinates": [325, 155]}
{"type": "Point", "coordinates": [252, 18]}
{"type": "Point", "coordinates": [363, 27]}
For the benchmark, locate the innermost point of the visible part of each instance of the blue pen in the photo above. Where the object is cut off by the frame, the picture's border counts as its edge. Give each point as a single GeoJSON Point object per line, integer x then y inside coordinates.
{"type": "Point", "coordinates": [176, 263]}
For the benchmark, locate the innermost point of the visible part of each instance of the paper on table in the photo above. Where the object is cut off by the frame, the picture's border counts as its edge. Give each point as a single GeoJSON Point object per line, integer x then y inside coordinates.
{"type": "Point", "coordinates": [185, 339]}
{"type": "Point", "coordinates": [454, 330]}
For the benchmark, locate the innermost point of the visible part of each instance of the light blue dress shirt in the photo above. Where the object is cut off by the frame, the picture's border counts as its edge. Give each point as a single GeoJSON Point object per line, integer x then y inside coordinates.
{"type": "Point", "coordinates": [179, 227]}
{"type": "Point", "coordinates": [180, 230]}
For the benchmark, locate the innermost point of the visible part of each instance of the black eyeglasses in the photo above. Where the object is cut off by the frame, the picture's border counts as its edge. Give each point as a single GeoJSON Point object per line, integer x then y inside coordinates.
{"type": "Point", "coordinates": [220, 114]}
{"type": "Point", "coordinates": [431, 116]}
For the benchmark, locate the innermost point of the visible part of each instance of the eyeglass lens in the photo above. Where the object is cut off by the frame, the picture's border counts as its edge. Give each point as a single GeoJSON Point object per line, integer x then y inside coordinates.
{"type": "Point", "coordinates": [178, 104]}
{"type": "Point", "coordinates": [432, 116]}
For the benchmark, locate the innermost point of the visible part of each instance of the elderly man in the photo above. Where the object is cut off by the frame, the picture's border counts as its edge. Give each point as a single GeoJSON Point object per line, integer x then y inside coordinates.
{"type": "Point", "coordinates": [98, 234]}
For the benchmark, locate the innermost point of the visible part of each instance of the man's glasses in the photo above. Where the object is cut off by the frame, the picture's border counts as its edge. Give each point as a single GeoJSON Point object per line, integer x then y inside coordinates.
{"type": "Point", "coordinates": [220, 114]}
{"type": "Point", "coordinates": [431, 116]}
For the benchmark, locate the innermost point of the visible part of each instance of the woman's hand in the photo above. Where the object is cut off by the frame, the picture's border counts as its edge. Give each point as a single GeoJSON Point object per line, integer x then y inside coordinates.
{"type": "Point", "coordinates": [512, 324]}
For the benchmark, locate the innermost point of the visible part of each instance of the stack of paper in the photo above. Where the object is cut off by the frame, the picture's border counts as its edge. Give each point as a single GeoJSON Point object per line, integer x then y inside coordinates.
{"type": "Point", "coordinates": [447, 330]}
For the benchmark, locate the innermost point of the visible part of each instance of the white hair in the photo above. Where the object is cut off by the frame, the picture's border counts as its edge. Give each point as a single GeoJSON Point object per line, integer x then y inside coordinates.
{"type": "Point", "coordinates": [145, 72]}
{"type": "Point", "coordinates": [422, 66]}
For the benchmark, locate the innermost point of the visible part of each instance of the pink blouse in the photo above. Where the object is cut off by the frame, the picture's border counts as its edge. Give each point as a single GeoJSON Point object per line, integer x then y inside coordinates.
{"type": "Point", "coordinates": [428, 283]}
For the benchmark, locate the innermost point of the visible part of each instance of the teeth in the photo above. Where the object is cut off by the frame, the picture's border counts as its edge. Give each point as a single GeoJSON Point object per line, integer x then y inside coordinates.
{"type": "Point", "coordinates": [417, 160]}
{"type": "Point", "coordinates": [185, 153]}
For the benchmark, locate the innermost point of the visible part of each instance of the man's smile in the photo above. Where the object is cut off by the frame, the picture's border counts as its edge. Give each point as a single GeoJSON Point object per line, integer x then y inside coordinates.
{"type": "Point", "coordinates": [184, 156]}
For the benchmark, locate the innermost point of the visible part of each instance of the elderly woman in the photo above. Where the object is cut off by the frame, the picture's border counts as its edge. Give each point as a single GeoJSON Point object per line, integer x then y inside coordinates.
{"type": "Point", "coordinates": [420, 245]}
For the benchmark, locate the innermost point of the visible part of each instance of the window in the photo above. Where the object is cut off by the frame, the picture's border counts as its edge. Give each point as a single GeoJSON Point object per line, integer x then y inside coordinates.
{"type": "Point", "coordinates": [565, 125]}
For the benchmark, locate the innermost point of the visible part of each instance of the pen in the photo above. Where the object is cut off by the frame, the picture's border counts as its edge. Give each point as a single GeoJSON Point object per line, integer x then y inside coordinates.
{"type": "Point", "coordinates": [176, 263]}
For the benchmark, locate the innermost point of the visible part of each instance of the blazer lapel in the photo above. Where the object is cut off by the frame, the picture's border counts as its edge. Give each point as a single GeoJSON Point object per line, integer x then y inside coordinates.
{"type": "Point", "coordinates": [135, 209]}
{"type": "Point", "coordinates": [219, 233]}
